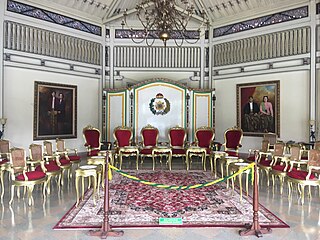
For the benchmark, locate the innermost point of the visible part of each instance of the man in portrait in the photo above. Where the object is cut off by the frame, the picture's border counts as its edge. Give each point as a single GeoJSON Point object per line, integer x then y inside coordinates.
{"type": "Point", "coordinates": [251, 117]}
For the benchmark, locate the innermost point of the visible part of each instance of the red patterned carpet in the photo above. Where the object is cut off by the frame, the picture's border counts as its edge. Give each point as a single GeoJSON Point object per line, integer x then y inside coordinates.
{"type": "Point", "coordinates": [137, 205]}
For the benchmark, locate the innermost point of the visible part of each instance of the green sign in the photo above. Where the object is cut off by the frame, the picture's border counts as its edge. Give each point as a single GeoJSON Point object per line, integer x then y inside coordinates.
{"type": "Point", "coordinates": [168, 221]}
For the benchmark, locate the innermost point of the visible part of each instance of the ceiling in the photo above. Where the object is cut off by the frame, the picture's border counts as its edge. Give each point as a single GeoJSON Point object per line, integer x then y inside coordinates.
{"type": "Point", "coordinates": [219, 12]}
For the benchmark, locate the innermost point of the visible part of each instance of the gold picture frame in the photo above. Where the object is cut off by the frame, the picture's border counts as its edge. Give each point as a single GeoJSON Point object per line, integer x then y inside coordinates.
{"type": "Point", "coordinates": [55, 111]}
{"type": "Point", "coordinates": [263, 114]}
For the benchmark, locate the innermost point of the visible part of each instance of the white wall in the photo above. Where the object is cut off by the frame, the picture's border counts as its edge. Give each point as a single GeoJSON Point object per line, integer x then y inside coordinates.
{"type": "Point", "coordinates": [19, 104]}
{"type": "Point", "coordinates": [294, 106]}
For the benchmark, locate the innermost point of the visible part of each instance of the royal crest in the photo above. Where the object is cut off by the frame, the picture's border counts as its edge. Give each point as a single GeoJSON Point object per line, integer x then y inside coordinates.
{"type": "Point", "coordinates": [159, 105]}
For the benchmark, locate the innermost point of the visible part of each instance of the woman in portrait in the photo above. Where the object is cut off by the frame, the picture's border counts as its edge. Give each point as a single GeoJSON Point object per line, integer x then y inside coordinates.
{"type": "Point", "coordinates": [266, 111]}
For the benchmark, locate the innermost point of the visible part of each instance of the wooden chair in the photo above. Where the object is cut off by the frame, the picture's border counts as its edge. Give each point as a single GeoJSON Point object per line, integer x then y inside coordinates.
{"type": "Point", "coordinates": [123, 144]}
{"type": "Point", "coordinates": [67, 153]}
{"type": "Point", "coordinates": [50, 168]}
{"type": "Point", "coordinates": [177, 141]}
{"type": "Point", "coordinates": [150, 137]}
{"type": "Point", "coordinates": [92, 138]}
{"type": "Point", "coordinates": [21, 177]}
{"type": "Point", "coordinates": [309, 178]}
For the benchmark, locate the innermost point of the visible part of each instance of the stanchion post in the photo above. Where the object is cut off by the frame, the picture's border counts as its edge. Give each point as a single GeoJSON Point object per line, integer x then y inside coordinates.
{"type": "Point", "coordinates": [106, 230]}
{"type": "Point", "coordinates": [255, 228]}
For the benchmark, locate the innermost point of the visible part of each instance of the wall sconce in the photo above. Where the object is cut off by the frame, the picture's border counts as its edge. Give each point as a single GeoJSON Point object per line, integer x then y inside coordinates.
{"type": "Point", "coordinates": [3, 122]}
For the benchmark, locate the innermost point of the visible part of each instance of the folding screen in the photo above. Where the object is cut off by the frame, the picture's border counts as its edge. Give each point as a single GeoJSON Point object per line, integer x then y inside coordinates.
{"type": "Point", "coordinates": [161, 103]}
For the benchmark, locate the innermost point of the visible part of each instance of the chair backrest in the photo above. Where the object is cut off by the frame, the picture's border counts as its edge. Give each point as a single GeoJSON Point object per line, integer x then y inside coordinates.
{"type": "Point", "coordinates": [264, 145]}
{"type": "Point", "coordinates": [204, 136]}
{"type": "Point", "coordinates": [232, 138]}
{"type": "Point", "coordinates": [92, 137]}
{"type": "Point", "coordinates": [149, 136]}
{"type": "Point", "coordinates": [4, 146]}
{"type": "Point", "coordinates": [60, 144]}
{"type": "Point", "coordinates": [18, 159]}
{"type": "Point", "coordinates": [177, 136]}
{"type": "Point", "coordinates": [272, 138]}
{"type": "Point", "coordinates": [295, 152]}
{"type": "Point", "coordinates": [314, 158]}
{"type": "Point", "coordinates": [48, 148]}
{"type": "Point", "coordinates": [279, 149]}
{"type": "Point", "coordinates": [123, 136]}
{"type": "Point", "coordinates": [35, 152]}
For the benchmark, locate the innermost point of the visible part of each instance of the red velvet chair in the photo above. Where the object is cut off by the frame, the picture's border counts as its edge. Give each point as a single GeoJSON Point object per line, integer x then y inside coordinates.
{"type": "Point", "coordinates": [4, 161]}
{"type": "Point", "coordinates": [123, 144]}
{"type": "Point", "coordinates": [204, 137]}
{"type": "Point", "coordinates": [92, 138]}
{"type": "Point", "coordinates": [232, 141]}
{"type": "Point", "coordinates": [177, 141]}
{"type": "Point", "coordinates": [306, 178]}
{"type": "Point", "coordinates": [54, 158]}
{"type": "Point", "coordinates": [266, 164]}
{"type": "Point", "coordinates": [51, 169]}
{"type": "Point", "coordinates": [21, 177]}
{"type": "Point", "coordinates": [67, 153]}
{"type": "Point", "coordinates": [281, 168]}
{"type": "Point", "coordinates": [149, 136]}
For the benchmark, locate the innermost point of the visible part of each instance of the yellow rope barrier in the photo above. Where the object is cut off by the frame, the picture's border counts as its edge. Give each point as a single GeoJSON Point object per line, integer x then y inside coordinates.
{"type": "Point", "coordinates": [159, 185]}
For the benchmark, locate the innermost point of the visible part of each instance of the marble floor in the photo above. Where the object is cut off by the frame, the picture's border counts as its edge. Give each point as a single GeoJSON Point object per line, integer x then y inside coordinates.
{"type": "Point", "coordinates": [23, 222]}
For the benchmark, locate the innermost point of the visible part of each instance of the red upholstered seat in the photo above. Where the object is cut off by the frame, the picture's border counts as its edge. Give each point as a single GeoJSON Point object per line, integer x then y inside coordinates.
{"type": "Point", "coordinates": [204, 137]}
{"type": "Point", "coordinates": [265, 162]}
{"type": "Point", "coordinates": [146, 151]}
{"type": "Point", "coordinates": [233, 137]}
{"type": "Point", "coordinates": [3, 161]}
{"type": "Point", "coordinates": [51, 167]}
{"type": "Point", "coordinates": [301, 175]}
{"type": "Point", "coordinates": [178, 151]}
{"type": "Point", "coordinates": [92, 138]}
{"type": "Point", "coordinates": [64, 162]}
{"type": "Point", "coordinates": [279, 167]}
{"type": "Point", "coordinates": [34, 175]}
{"type": "Point", "coordinates": [232, 153]}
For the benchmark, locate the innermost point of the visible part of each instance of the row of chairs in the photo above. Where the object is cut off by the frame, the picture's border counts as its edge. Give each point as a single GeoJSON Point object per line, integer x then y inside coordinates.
{"type": "Point", "coordinates": [124, 146]}
{"type": "Point", "coordinates": [292, 163]}
{"type": "Point", "coordinates": [37, 168]}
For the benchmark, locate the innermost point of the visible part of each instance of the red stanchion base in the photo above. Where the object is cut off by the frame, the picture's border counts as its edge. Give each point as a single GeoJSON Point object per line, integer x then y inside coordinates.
{"type": "Point", "coordinates": [104, 234]}
{"type": "Point", "coordinates": [254, 230]}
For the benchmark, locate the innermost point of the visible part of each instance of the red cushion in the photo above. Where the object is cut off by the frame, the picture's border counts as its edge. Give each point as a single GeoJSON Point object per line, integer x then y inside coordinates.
{"type": "Point", "coordinates": [265, 162]}
{"type": "Point", "coordinates": [51, 167]}
{"type": "Point", "coordinates": [93, 153]}
{"type": "Point", "coordinates": [146, 151]}
{"type": "Point", "coordinates": [178, 151]}
{"type": "Point", "coordinates": [232, 154]}
{"type": "Point", "coordinates": [74, 158]}
{"type": "Point", "coordinates": [279, 168]}
{"type": "Point", "coordinates": [301, 175]}
{"type": "Point", "coordinates": [251, 158]}
{"type": "Point", "coordinates": [92, 137]}
{"type": "Point", "coordinates": [177, 137]}
{"type": "Point", "coordinates": [204, 138]}
{"type": "Point", "coordinates": [64, 162]}
{"type": "Point", "coordinates": [33, 175]}
{"type": "Point", "coordinates": [123, 137]}
{"type": "Point", "coordinates": [3, 161]}
{"type": "Point", "coordinates": [233, 139]}
{"type": "Point", "coordinates": [150, 137]}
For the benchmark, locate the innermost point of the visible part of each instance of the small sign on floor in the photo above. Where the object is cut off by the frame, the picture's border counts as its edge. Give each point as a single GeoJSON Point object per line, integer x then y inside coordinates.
{"type": "Point", "coordinates": [170, 221]}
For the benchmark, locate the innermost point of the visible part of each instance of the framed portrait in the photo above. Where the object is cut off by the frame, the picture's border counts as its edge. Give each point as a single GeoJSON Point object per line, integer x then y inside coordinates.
{"type": "Point", "coordinates": [55, 111]}
{"type": "Point", "coordinates": [258, 108]}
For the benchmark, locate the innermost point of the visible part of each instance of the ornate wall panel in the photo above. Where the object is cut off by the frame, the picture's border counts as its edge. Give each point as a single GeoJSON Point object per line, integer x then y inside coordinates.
{"type": "Point", "coordinates": [273, 45]}
{"type": "Point", "coordinates": [157, 57]}
{"type": "Point", "coordinates": [202, 109]}
{"type": "Point", "coordinates": [116, 111]}
{"type": "Point", "coordinates": [29, 39]}
{"type": "Point", "coordinates": [161, 104]}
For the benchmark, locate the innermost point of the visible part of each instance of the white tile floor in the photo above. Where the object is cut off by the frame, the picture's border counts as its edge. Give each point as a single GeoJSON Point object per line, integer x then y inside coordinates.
{"type": "Point", "coordinates": [36, 223]}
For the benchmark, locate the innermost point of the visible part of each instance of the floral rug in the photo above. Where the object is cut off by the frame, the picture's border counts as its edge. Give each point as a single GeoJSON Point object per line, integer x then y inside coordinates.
{"type": "Point", "coordinates": [133, 204]}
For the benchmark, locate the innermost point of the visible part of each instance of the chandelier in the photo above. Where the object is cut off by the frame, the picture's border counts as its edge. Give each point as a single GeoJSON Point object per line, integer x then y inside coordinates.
{"type": "Point", "coordinates": [165, 19]}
